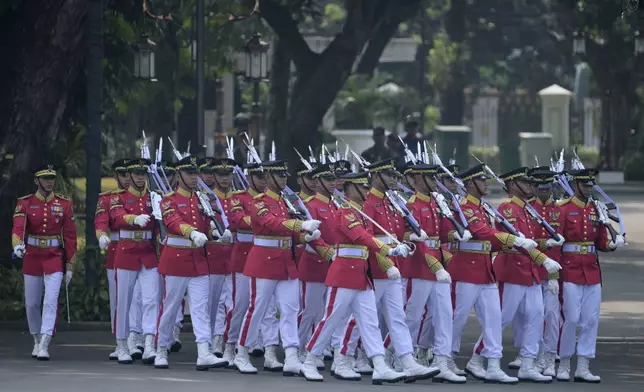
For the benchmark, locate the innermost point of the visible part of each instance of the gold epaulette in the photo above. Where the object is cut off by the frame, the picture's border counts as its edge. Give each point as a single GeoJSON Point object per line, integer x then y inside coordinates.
{"type": "Point", "coordinates": [25, 196]}
{"type": "Point", "coordinates": [168, 194]}
{"type": "Point", "coordinates": [508, 200]}
{"type": "Point", "coordinates": [239, 192]}
{"type": "Point", "coordinates": [258, 196]}
{"type": "Point", "coordinates": [562, 202]}
{"type": "Point", "coordinates": [411, 199]}
{"type": "Point", "coordinates": [308, 199]}
{"type": "Point", "coordinates": [105, 193]}
{"type": "Point", "coordinates": [63, 197]}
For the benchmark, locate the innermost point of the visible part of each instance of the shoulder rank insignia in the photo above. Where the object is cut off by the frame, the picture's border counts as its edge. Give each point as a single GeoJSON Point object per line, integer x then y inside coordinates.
{"type": "Point", "coordinates": [507, 212]}
{"type": "Point", "coordinates": [350, 217]}
{"type": "Point", "coordinates": [468, 212]}
{"type": "Point", "coordinates": [25, 196]}
{"type": "Point", "coordinates": [18, 208]}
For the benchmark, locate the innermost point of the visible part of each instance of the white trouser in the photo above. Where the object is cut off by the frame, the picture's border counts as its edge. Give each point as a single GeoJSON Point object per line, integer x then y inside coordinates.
{"type": "Point", "coordinates": [527, 300]}
{"type": "Point", "coordinates": [263, 293]}
{"type": "Point", "coordinates": [179, 320]}
{"type": "Point", "coordinates": [312, 309]}
{"type": "Point", "coordinates": [136, 313]}
{"type": "Point", "coordinates": [517, 328]}
{"type": "Point", "coordinates": [343, 333]}
{"type": "Point", "coordinates": [111, 289]}
{"type": "Point", "coordinates": [340, 304]}
{"type": "Point", "coordinates": [225, 303]}
{"type": "Point", "coordinates": [435, 296]}
{"type": "Point", "coordinates": [487, 305]}
{"type": "Point", "coordinates": [552, 319]}
{"type": "Point", "coordinates": [216, 292]}
{"type": "Point", "coordinates": [426, 334]}
{"type": "Point", "coordinates": [270, 327]}
{"type": "Point", "coordinates": [581, 305]}
{"type": "Point", "coordinates": [125, 282]}
{"type": "Point", "coordinates": [45, 322]}
{"type": "Point", "coordinates": [136, 308]}
{"type": "Point", "coordinates": [174, 289]}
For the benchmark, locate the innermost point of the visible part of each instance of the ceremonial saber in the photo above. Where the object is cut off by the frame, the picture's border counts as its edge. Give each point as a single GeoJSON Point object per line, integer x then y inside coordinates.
{"type": "Point", "coordinates": [67, 300]}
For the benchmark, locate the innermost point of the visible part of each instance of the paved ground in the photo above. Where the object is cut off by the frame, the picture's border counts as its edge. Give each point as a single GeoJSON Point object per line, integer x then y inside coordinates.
{"type": "Point", "coordinates": [79, 356]}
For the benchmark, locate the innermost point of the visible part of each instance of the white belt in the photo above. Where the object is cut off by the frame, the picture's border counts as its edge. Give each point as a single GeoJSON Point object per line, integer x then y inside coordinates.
{"type": "Point", "coordinates": [245, 237]}
{"type": "Point", "coordinates": [272, 243]}
{"type": "Point", "coordinates": [475, 246]}
{"type": "Point", "coordinates": [43, 243]}
{"type": "Point", "coordinates": [578, 248]}
{"type": "Point", "coordinates": [433, 244]}
{"type": "Point", "coordinates": [114, 236]}
{"type": "Point", "coordinates": [136, 235]}
{"type": "Point", "coordinates": [179, 242]}
{"type": "Point", "coordinates": [386, 239]}
{"type": "Point", "coordinates": [353, 252]}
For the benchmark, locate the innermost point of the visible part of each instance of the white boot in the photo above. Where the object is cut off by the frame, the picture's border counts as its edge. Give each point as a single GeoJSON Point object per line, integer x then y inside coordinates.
{"type": "Point", "coordinates": [216, 346]}
{"type": "Point", "coordinates": [124, 357]}
{"type": "Point", "coordinates": [564, 370]}
{"type": "Point", "coordinates": [430, 356]}
{"type": "Point", "coordinates": [451, 365]}
{"type": "Point", "coordinates": [530, 372]}
{"type": "Point", "coordinates": [383, 373]}
{"type": "Point", "coordinates": [397, 365]}
{"type": "Point", "coordinates": [140, 342]}
{"type": "Point", "coordinates": [229, 355]}
{"type": "Point", "coordinates": [516, 364]}
{"type": "Point", "coordinates": [495, 375]}
{"type": "Point", "coordinates": [420, 355]}
{"type": "Point", "coordinates": [389, 358]}
{"type": "Point", "coordinates": [258, 349]}
{"type": "Point", "coordinates": [176, 341]}
{"type": "Point", "coordinates": [415, 372]}
{"type": "Point", "coordinates": [34, 351]}
{"type": "Point", "coordinates": [242, 361]}
{"type": "Point", "coordinates": [446, 375]}
{"type": "Point", "coordinates": [271, 363]}
{"type": "Point", "coordinates": [328, 353]}
{"type": "Point", "coordinates": [161, 358]}
{"type": "Point", "coordinates": [148, 350]}
{"type": "Point", "coordinates": [540, 363]}
{"type": "Point", "coordinates": [132, 348]}
{"type": "Point", "coordinates": [206, 360]}
{"type": "Point", "coordinates": [114, 356]}
{"type": "Point", "coordinates": [475, 367]}
{"type": "Point", "coordinates": [343, 370]}
{"type": "Point", "coordinates": [292, 364]}
{"type": "Point", "coordinates": [362, 365]}
{"type": "Point", "coordinates": [550, 365]}
{"type": "Point", "coordinates": [43, 347]}
{"type": "Point", "coordinates": [309, 369]}
{"type": "Point", "coordinates": [583, 374]}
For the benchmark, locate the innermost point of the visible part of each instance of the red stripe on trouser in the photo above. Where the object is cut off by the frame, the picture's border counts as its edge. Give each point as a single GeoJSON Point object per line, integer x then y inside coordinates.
{"type": "Point", "coordinates": [229, 314]}
{"type": "Point", "coordinates": [249, 312]}
{"type": "Point", "coordinates": [329, 310]}
{"type": "Point", "coordinates": [165, 294]}
{"type": "Point", "coordinates": [116, 300]}
{"type": "Point", "coordinates": [479, 348]}
{"type": "Point", "coordinates": [303, 301]}
{"type": "Point", "coordinates": [347, 336]}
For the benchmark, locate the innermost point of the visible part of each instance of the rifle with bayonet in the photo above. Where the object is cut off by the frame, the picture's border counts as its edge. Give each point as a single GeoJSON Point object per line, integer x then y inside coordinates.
{"type": "Point", "coordinates": [155, 183]}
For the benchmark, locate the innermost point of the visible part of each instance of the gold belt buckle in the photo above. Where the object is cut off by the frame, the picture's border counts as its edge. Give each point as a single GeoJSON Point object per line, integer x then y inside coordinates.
{"type": "Point", "coordinates": [42, 243]}
{"type": "Point", "coordinates": [283, 244]}
{"type": "Point", "coordinates": [138, 236]}
{"type": "Point", "coordinates": [583, 249]}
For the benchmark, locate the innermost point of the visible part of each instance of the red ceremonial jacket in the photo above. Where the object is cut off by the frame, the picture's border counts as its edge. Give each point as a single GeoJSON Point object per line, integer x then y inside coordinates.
{"type": "Point", "coordinates": [240, 223]}
{"type": "Point", "coordinates": [313, 263]}
{"type": "Point", "coordinates": [44, 225]}
{"type": "Point", "coordinates": [378, 207]}
{"type": "Point", "coordinates": [582, 230]}
{"type": "Point", "coordinates": [104, 225]}
{"type": "Point", "coordinates": [139, 249]}
{"type": "Point", "coordinates": [552, 214]}
{"type": "Point", "coordinates": [475, 265]}
{"type": "Point", "coordinates": [220, 253]}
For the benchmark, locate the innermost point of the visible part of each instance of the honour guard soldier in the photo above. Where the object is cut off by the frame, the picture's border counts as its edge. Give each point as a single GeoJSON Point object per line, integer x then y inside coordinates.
{"type": "Point", "coordinates": [307, 190]}
{"type": "Point", "coordinates": [584, 228]}
{"type": "Point", "coordinates": [471, 268]}
{"type": "Point", "coordinates": [184, 266]}
{"type": "Point", "coordinates": [108, 235]}
{"type": "Point", "coordinates": [351, 290]}
{"type": "Point", "coordinates": [428, 283]}
{"type": "Point", "coordinates": [519, 277]}
{"type": "Point", "coordinates": [272, 270]}
{"type": "Point", "coordinates": [44, 236]}
{"type": "Point", "coordinates": [135, 260]}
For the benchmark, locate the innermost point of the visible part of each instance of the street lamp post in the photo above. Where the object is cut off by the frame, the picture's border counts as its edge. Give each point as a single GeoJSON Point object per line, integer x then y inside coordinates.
{"type": "Point", "coordinates": [144, 65]}
{"type": "Point", "coordinates": [256, 70]}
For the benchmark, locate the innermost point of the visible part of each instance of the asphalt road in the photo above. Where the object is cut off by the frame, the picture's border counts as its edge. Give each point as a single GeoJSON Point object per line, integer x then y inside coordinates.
{"type": "Point", "coordinates": [79, 357]}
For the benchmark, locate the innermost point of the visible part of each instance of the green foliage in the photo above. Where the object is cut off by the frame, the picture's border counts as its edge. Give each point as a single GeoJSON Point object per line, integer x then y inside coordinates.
{"type": "Point", "coordinates": [589, 156]}
{"type": "Point", "coordinates": [489, 155]}
{"type": "Point", "coordinates": [632, 163]}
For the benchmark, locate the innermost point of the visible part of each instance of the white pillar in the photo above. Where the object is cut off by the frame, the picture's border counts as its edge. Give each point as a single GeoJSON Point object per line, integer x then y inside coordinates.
{"type": "Point", "coordinates": [555, 115]}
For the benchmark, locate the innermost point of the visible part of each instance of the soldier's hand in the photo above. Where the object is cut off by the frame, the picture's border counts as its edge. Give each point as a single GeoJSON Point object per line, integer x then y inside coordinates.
{"type": "Point", "coordinates": [227, 237]}
{"type": "Point", "coordinates": [466, 236]}
{"type": "Point", "coordinates": [198, 238]}
{"type": "Point", "coordinates": [19, 251]}
{"type": "Point", "coordinates": [618, 243]}
{"type": "Point", "coordinates": [551, 266]}
{"type": "Point", "coordinates": [393, 273]}
{"type": "Point", "coordinates": [142, 220]}
{"type": "Point", "coordinates": [443, 276]}
{"type": "Point", "coordinates": [525, 243]}
{"type": "Point", "coordinates": [400, 250]}
{"type": "Point", "coordinates": [553, 286]}
{"type": "Point", "coordinates": [313, 236]}
{"type": "Point", "coordinates": [558, 242]}
{"type": "Point", "coordinates": [416, 238]}
{"type": "Point", "coordinates": [310, 225]}
{"type": "Point", "coordinates": [103, 242]}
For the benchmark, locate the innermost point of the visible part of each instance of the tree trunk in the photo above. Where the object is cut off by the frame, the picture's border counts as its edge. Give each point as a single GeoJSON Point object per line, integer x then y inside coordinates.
{"type": "Point", "coordinates": [453, 102]}
{"type": "Point", "coordinates": [43, 55]}
{"type": "Point", "coordinates": [278, 98]}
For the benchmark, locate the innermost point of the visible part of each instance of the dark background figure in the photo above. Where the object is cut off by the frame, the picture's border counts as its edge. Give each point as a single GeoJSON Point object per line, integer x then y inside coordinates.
{"type": "Point", "coordinates": [241, 124]}
{"type": "Point", "coordinates": [394, 144]}
{"type": "Point", "coordinates": [413, 132]}
{"type": "Point", "coordinates": [379, 151]}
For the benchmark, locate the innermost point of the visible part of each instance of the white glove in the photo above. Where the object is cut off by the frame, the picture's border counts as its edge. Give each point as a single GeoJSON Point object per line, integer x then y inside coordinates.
{"type": "Point", "coordinates": [310, 225]}
{"type": "Point", "coordinates": [466, 236]}
{"type": "Point", "coordinates": [227, 237]}
{"type": "Point", "coordinates": [335, 255]}
{"type": "Point", "coordinates": [551, 266]}
{"type": "Point", "coordinates": [525, 243]}
{"type": "Point", "coordinates": [68, 277]}
{"type": "Point", "coordinates": [618, 243]}
{"type": "Point", "coordinates": [198, 238]}
{"type": "Point", "coordinates": [393, 273]}
{"type": "Point", "coordinates": [313, 236]}
{"type": "Point", "coordinates": [521, 235]}
{"type": "Point", "coordinates": [156, 205]}
{"type": "Point", "coordinates": [103, 242]}
{"type": "Point", "coordinates": [400, 250]}
{"type": "Point", "coordinates": [213, 226]}
{"type": "Point", "coordinates": [416, 238]}
{"type": "Point", "coordinates": [142, 220]}
{"type": "Point", "coordinates": [552, 242]}
{"type": "Point", "coordinates": [19, 251]}
{"type": "Point", "coordinates": [443, 276]}
{"type": "Point", "coordinates": [553, 286]}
